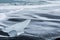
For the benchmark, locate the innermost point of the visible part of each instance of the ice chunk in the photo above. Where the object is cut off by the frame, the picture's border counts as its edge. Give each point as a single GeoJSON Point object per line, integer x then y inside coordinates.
{"type": "Point", "coordinates": [17, 29]}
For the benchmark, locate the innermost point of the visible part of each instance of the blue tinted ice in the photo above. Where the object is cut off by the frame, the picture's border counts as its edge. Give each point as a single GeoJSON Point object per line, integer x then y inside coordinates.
{"type": "Point", "coordinates": [40, 18]}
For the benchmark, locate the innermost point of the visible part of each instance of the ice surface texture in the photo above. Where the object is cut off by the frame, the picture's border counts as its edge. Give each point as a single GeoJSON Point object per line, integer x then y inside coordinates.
{"type": "Point", "coordinates": [38, 21]}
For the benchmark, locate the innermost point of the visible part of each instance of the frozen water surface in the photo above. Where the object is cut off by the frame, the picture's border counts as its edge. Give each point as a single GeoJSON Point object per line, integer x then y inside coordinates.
{"type": "Point", "coordinates": [42, 21]}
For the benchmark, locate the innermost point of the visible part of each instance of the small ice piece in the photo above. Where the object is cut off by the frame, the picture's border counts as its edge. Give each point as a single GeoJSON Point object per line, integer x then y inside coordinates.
{"type": "Point", "coordinates": [2, 16]}
{"type": "Point", "coordinates": [12, 33]}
